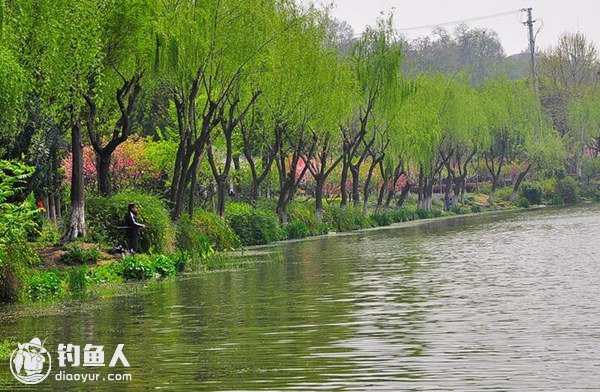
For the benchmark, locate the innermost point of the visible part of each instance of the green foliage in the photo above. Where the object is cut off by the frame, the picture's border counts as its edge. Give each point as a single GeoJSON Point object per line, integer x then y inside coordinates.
{"type": "Point", "coordinates": [77, 280]}
{"type": "Point", "coordinates": [106, 273]}
{"type": "Point", "coordinates": [532, 191]}
{"type": "Point", "coordinates": [384, 218]}
{"type": "Point", "coordinates": [522, 202]}
{"type": "Point", "coordinates": [476, 208]}
{"type": "Point", "coordinates": [297, 229]}
{"type": "Point", "coordinates": [6, 349]}
{"type": "Point", "coordinates": [137, 267]}
{"type": "Point", "coordinates": [49, 234]}
{"type": "Point", "coordinates": [77, 254]}
{"type": "Point", "coordinates": [43, 285]}
{"type": "Point", "coordinates": [342, 219]}
{"type": "Point", "coordinates": [302, 212]}
{"type": "Point", "coordinates": [254, 226]}
{"type": "Point", "coordinates": [141, 266]}
{"type": "Point", "coordinates": [211, 225]}
{"type": "Point", "coordinates": [568, 189]}
{"type": "Point", "coordinates": [503, 194]}
{"type": "Point", "coordinates": [192, 241]}
{"type": "Point", "coordinates": [105, 216]}
{"type": "Point", "coordinates": [404, 215]}
{"type": "Point", "coordinates": [16, 222]}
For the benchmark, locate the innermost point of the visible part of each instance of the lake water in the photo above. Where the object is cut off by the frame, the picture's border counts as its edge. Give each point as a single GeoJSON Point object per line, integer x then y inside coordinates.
{"type": "Point", "coordinates": [500, 302]}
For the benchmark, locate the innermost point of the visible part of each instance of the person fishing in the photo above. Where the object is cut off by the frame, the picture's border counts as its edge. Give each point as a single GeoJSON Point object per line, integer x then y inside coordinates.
{"type": "Point", "coordinates": [132, 228]}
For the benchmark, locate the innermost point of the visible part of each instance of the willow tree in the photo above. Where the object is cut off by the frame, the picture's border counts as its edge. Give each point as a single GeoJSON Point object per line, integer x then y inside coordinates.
{"type": "Point", "coordinates": [337, 90]}
{"type": "Point", "coordinates": [464, 128]}
{"type": "Point", "coordinates": [114, 87]}
{"type": "Point", "coordinates": [513, 116]}
{"type": "Point", "coordinates": [584, 120]}
{"type": "Point", "coordinates": [13, 85]}
{"type": "Point", "coordinates": [423, 120]}
{"type": "Point", "coordinates": [205, 52]}
{"type": "Point", "coordinates": [376, 58]}
{"type": "Point", "coordinates": [75, 51]}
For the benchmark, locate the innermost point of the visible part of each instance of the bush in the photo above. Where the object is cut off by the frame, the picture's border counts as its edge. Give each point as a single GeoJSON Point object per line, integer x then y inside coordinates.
{"type": "Point", "coordinates": [137, 267]}
{"type": "Point", "coordinates": [105, 216]}
{"type": "Point", "coordinates": [297, 229]}
{"type": "Point", "coordinates": [568, 190]}
{"type": "Point", "coordinates": [382, 218]}
{"type": "Point", "coordinates": [214, 227]}
{"type": "Point", "coordinates": [503, 193]}
{"type": "Point", "coordinates": [49, 233]}
{"type": "Point", "coordinates": [522, 202]}
{"type": "Point", "coordinates": [165, 265]}
{"type": "Point", "coordinates": [346, 218]}
{"type": "Point", "coordinates": [305, 214]}
{"type": "Point", "coordinates": [532, 191]}
{"type": "Point", "coordinates": [404, 215]}
{"type": "Point", "coordinates": [76, 254]}
{"type": "Point", "coordinates": [476, 208]}
{"type": "Point", "coordinates": [140, 266]}
{"type": "Point", "coordinates": [43, 285]}
{"type": "Point", "coordinates": [77, 280]}
{"type": "Point", "coordinates": [191, 242]}
{"type": "Point", "coordinates": [106, 273]}
{"type": "Point", "coordinates": [254, 226]}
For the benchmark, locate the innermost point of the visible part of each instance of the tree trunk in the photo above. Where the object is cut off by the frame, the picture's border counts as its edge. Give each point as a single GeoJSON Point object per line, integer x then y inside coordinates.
{"type": "Point", "coordinates": [403, 195]}
{"type": "Point", "coordinates": [320, 183]}
{"type": "Point", "coordinates": [76, 225]}
{"type": "Point", "coordinates": [343, 182]}
{"type": "Point", "coordinates": [103, 166]}
{"type": "Point", "coordinates": [355, 171]}
{"type": "Point", "coordinates": [517, 185]}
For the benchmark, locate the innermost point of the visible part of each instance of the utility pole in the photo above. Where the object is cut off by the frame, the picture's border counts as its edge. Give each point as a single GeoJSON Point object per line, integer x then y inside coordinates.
{"type": "Point", "coordinates": [529, 23]}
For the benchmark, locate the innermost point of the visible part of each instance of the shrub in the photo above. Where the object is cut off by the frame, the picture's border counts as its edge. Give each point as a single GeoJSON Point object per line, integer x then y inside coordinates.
{"type": "Point", "coordinates": [137, 266]}
{"type": "Point", "coordinates": [49, 233]}
{"type": "Point", "coordinates": [164, 265]}
{"type": "Point", "coordinates": [254, 226]}
{"type": "Point", "coordinates": [76, 254]}
{"type": "Point", "coordinates": [105, 216]}
{"type": "Point", "coordinates": [214, 227]}
{"type": "Point", "coordinates": [140, 266]}
{"type": "Point", "coordinates": [568, 190]}
{"type": "Point", "coordinates": [382, 218]}
{"type": "Point", "coordinates": [77, 279]}
{"type": "Point", "coordinates": [476, 208]}
{"type": "Point", "coordinates": [106, 273]}
{"type": "Point", "coordinates": [404, 215]}
{"type": "Point", "coordinates": [297, 229]}
{"type": "Point", "coordinates": [532, 191]}
{"type": "Point", "coordinates": [305, 214]}
{"type": "Point", "coordinates": [522, 202]}
{"type": "Point", "coordinates": [43, 285]}
{"type": "Point", "coordinates": [503, 193]}
{"type": "Point", "coordinates": [191, 242]}
{"type": "Point", "coordinates": [346, 218]}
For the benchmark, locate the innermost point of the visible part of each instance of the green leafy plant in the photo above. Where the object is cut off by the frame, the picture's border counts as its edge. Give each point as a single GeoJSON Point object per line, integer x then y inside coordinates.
{"type": "Point", "coordinates": [297, 229]}
{"type": "Point", "coordinates": [43, 285]}
{"type": "Point", "coordinates": [105, 217]}
{"type": "Point", "coordinates": [254, 226]}
{"type": "Point", "coordinates": [77, 254]}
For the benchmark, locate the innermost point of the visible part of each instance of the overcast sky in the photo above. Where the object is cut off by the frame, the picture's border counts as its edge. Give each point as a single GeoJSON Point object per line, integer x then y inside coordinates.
{"type": "Point", "coordinates": [558, 16]}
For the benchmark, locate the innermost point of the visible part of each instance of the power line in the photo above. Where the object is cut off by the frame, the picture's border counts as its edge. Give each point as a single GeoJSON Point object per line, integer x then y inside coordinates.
{"type": "Point", "coordinates": [461, 21]}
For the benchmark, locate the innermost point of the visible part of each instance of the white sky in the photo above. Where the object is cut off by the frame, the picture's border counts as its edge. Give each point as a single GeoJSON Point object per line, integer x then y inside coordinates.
{"type": "Point", "coordinates": [558, 16]}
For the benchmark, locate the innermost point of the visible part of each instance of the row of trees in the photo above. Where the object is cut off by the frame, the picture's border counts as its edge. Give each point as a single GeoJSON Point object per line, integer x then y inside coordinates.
{"type": "Point", "coordinates": [269, 85]}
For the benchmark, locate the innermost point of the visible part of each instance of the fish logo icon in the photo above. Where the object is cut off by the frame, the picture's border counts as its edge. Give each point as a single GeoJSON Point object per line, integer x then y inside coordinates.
{"type": "Point", "coordinates": [31, 363]}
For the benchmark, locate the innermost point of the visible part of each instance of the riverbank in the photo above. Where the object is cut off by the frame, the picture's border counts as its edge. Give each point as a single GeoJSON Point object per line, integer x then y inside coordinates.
{"type": "Point", "coordinates": [55, 280]}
